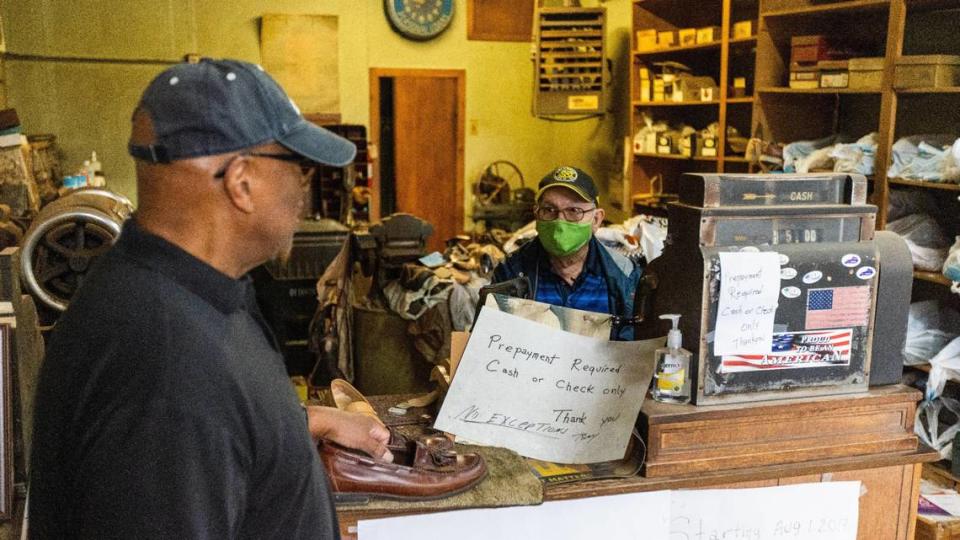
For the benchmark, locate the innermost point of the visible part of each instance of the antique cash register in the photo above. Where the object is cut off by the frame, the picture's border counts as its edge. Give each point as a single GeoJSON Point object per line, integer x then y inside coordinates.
{"type": "Point", "coordinates": [840, 314]}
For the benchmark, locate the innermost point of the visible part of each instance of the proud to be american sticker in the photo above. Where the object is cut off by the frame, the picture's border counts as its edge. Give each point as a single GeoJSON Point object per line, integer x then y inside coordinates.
{"type": "Point", "coordinates": [795, 350]}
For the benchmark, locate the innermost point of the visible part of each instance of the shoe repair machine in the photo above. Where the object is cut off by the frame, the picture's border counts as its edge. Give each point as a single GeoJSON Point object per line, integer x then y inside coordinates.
{"type": "Point", "coordinates": [840, 316]}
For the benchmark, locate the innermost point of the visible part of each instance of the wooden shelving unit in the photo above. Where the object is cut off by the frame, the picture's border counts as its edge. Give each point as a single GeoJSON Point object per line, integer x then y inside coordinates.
{"type": "Point", "coordinates": [831, 8]}
{"type": "Point", "coordinates": [824, 91]}
{"type": "Point", "coordinates": [885, 28]}
{"type": "Point", "coordinates": [673, 103]}
{"type": "Point", "coordinates": [679, 49]}
{"type": "Point", "coordinates": [942, 90]}
{"type": "Point", "coordinates": [922, 184]}
{"type": "Point", "coordinates": [674, 157]}
{"type": "Point", "coordinates": [773, 111]}
{"type": "Point", "coordinates": [723, 60]}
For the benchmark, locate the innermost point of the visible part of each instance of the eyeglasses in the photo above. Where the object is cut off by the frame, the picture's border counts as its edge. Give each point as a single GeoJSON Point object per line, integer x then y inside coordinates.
{"type": "Point", "coordinates": [306, 166]}
{"type": "Point", "coordinates": [549, 213]}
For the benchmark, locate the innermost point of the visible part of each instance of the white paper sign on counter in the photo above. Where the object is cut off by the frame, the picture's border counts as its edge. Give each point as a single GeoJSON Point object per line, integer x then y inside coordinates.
{"type": "Point", "coordinates": [545, 393]}
{"type": "Point", "coordinates": [816, 511]}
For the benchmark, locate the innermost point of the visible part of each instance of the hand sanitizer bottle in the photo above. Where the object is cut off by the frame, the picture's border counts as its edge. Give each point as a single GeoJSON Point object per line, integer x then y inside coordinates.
{"type": "Point", "coordinates": [672, 374]}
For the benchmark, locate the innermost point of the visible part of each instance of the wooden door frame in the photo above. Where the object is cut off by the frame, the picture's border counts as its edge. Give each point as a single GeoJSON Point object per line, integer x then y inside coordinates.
{"type": "Point", "coordinates": [461, 77]}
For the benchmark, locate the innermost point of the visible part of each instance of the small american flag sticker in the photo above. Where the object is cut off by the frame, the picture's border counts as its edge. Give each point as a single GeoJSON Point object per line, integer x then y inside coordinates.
{"type": "Point", "coordinates": [837, 306]}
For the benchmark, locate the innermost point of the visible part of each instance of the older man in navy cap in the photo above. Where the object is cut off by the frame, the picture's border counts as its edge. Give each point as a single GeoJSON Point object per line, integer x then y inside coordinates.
{"type": "Point", "coordinates": [163, 408]}
{"type": "Point", "coordinates": [565, 264]}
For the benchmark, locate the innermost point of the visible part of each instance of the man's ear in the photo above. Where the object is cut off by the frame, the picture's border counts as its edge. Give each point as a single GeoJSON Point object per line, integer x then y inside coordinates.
{"type": "Point", "coordinates": [236, 184]}
{"type": "Point", "coordinates": [598, 218]}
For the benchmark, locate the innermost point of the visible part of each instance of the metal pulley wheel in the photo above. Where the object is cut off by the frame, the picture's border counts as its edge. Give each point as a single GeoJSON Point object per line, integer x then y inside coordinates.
{"type": "Point", "coordinates": [64, 240]}
{"type": "Point", "coordinates": [495, 182]}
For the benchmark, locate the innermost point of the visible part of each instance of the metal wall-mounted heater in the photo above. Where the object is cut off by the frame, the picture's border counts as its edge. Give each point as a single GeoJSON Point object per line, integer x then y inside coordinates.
{"type": "Point", "coordinates": [840, 319]}
{"type": "Point", "coordinates": [568, 61]}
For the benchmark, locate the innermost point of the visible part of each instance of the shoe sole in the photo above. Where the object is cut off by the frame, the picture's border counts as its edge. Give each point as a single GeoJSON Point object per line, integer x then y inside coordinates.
{"type": "Point", "coordinates": [359, 497]}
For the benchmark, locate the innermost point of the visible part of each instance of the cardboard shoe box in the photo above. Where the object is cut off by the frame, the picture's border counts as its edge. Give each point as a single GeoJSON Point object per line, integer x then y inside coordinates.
{"type": "Point", "coordinates": [646, 40]}
{"type": "Point", "coordinates": [708, 34]}
{"type": "Point", "coordinates": [666, 39]}
{"type": "Point", "coordinates": [804, 76]}
{"type": "Point", "coordinates": [667, 142]}
{"type": "Point", "coordinates": [927, 71]}
{"type": "Point", "coordinates": [643, 79]}
{"type": "Point", "coordinates": [687, 88]}
{"type": "Point", "coordinates": [865, 73]}
{"type": "Point", "coordinates": [742, 29]}
{"type": "Point", "coordinates": [809, 49]}
{"type": "Point", "coordinates": [833, 73]}
{"type": "Point", "coordinates": [739, 88]}
{"type": "Point", "coordinates": [688, 36]}
{"type": "Point", "coordinates": [707, 146]}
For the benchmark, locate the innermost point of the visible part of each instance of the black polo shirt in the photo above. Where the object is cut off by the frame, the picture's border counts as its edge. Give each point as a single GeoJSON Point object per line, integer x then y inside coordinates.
{"type": "Point", "coordinates": [164, 410]}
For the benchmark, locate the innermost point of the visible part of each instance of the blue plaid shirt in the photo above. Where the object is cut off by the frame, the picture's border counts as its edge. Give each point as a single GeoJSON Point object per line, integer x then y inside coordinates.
{"type": "Point", "coordinates": [588, 292]}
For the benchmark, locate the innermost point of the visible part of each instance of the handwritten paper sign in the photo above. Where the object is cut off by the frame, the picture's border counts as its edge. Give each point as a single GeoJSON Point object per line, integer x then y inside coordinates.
{"type": "Point", "coordinates": [546, 393]}
{"type": "Point", "coordinates": [823, 511]}
{"type": "Point", "coordinates": [749, 289]}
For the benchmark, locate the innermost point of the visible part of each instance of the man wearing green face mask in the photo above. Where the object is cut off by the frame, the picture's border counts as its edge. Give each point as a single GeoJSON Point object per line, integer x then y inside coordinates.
{"type": "Point", "coordinates": [566, 265]}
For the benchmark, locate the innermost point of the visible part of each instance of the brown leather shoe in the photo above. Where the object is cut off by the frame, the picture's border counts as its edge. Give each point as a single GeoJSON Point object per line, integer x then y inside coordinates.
{"type": "Point", "coordinates": [424, 469]}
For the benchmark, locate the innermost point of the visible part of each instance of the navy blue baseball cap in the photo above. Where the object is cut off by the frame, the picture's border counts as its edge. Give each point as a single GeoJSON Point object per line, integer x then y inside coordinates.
{"type": "Point", "coordinates": [572, 178]}
{"type": "Point", "coordinates": [219, 106]}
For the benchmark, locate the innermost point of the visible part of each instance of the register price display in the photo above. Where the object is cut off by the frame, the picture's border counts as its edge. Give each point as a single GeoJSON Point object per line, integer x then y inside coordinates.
{"type": "Point", "coordinates": [797, 236]}
{"type": "Point", "coordinates": [545, 393]}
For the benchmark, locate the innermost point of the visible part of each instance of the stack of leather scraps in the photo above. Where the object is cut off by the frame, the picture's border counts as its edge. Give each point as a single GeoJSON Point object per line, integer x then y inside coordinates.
{"type": "Point", "coordinates": [422, 286]}
{"type": "Point", "coordinates": [417, 290]}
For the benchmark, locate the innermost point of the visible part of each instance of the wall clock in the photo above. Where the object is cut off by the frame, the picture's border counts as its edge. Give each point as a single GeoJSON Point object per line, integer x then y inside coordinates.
{"type": "Point", "coordinates": [419, 19]}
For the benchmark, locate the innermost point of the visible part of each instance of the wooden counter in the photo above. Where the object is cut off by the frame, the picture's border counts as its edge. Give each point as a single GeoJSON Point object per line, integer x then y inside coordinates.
{"type": "Point", "coordinates": [890, 477]}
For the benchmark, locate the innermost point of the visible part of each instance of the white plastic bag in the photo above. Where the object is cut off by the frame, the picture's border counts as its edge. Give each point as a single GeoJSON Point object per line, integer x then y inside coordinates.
{"type": "Point", "coordinates": [927, 243]}
{"type": "Point", "coordinates": [951, 266]}
{"type": "Point", "coordinates": [902, 203]}
{"type": "Point", "coordinates": [651, 231]}
{"type": "Point", "coordinates": [936, 424]}
{"type": "Point", "coordinates": [927, 332]}
{"type": "Point", "coordinates": [951, 165]}
{"type": "Point", "coordinates": [944, 365]}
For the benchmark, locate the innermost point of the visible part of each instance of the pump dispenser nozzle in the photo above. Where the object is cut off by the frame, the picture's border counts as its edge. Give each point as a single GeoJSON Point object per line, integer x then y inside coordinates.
{"type": "Point", "coordinates": [674, 338]}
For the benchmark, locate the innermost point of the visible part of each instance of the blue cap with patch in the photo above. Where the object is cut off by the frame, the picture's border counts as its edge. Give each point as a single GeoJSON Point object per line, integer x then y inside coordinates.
{"type": "Point", "coordinates": [220, 106]}
{"type": "Point", "coordinates": [573, 179]}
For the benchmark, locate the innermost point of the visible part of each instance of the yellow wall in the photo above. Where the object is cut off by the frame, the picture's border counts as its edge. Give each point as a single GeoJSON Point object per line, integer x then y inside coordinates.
{"type": "Point", "coordinates": [87, 103]}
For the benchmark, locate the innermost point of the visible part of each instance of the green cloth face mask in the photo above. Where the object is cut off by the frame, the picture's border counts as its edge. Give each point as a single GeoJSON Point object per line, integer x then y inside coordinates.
{"type": "Point", "coordinates": [561, 238]}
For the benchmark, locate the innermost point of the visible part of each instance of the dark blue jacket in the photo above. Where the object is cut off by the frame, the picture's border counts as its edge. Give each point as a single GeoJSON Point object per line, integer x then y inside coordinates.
{"type": "Point", "coordinates": [621, 273]}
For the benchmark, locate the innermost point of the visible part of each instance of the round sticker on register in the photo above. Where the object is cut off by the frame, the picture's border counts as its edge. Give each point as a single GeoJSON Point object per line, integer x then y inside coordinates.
{"type": "Point", "coordinates": [790, 292]}
{"type": "Point", "coordinates": [866, 272]}
{"type": "Point", "coordinates": [850, 260]}
{"type": "Point", "coordinates": [812, 277]}
{"type": "Point", "coordinates": [783, 259]}
{"type": "Point", "coordinates": [788, 273]}
{"type": "Point", "coordinates": [750, 249]}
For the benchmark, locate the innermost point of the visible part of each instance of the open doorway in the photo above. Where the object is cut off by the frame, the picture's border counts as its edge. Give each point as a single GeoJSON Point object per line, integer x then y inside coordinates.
{"type": "Point", "coordinates": [417, 123]}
